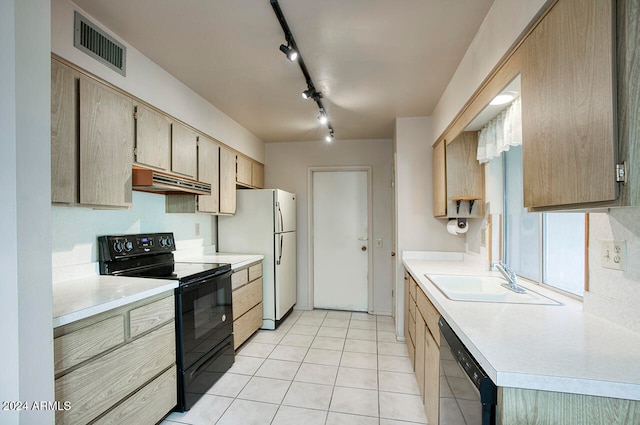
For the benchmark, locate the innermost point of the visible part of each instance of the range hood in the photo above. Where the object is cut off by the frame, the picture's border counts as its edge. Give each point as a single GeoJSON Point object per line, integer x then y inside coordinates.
{"type": "Point", "coordinates": [146, 180]}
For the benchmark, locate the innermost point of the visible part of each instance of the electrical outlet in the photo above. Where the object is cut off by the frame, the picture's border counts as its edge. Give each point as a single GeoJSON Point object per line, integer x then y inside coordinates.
{"type": "Point", "coordinates": [197, 229]}
{"type": "Point", "coordinates": [614, 255]}
{"type": "Point", "coordinates": [378, 243]}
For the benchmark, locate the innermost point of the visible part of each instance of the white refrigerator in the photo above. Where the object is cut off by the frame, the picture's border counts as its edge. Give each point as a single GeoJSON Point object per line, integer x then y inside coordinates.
{"type": "Point", "coordinates": [265, 223]}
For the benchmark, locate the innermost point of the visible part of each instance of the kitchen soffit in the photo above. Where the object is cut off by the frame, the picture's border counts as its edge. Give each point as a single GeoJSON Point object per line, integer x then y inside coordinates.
{"type": "Point", "coordinates": [373, 60]}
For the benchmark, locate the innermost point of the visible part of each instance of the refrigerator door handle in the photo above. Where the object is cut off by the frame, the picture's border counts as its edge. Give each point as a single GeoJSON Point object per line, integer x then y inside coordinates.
{"type": "Point", "coordinates": [281, 218]}
{"type": "Point", "coordinates": [280, 255]}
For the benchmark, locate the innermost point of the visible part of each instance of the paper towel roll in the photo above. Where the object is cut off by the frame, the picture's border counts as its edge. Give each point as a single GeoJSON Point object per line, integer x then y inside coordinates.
{"type": "Point", "coordinates": [455, 228]}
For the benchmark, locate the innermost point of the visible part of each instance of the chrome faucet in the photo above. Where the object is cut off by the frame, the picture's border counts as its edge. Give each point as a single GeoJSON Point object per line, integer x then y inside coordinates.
{"type": "Point", "coordinates": [510, 276]}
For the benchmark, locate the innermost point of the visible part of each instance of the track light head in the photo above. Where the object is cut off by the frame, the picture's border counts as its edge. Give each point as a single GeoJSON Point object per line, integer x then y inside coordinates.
{"type": "Point", "coordinates": [292, 55]}
{"type": "Point", "coordinates": [323, 117]}
{"type": "Point", "coordinates": [308, 94]}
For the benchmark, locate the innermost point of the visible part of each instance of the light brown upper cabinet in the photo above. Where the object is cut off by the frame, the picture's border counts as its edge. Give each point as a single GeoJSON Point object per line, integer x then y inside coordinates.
{"type": "Point", "coordinates": [184, 150]}
{"type": "Point", "coordinates": [458, 178]}
{"type": "Point", "coordinates": [153, 139]}
{"type": "Point", "coordinates": [243, 171]}
{"type": "Point", "coordinates": [227, 181]}
{"type": "Point", "coordinates": [91, 141]}
{"type": "Point", "coordinates": [209, 172]}
{"type": "Point", "coordinates": [568, 109]}
{"type": "Point", "coordinates": [64, 135]}
{"type": "Point", "coordinates": [257, 175]}
{"type": "Point", "coordinates": [106, 145]}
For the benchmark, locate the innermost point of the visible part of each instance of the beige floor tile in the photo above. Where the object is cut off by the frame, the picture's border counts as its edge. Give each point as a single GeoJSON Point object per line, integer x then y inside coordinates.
{"type": "Point", "coordinates": [386, 326]}
{"type": "Point", "coordinates": [245, 365]}
{"type": "Point", "coordinates": [355, 401]}
{"type": "Point", "coordinates": [229, 385]}
{"type": "Point", "coordinates": [288, 415]}
{"type": "Point", "coordinates": [278, 369]}
{"type": "Point", "coordinates": [362, 324]}
{"type": "Point", "coordinates": [359, 360]}
{"type": "Point", "coordinates": [247, 412]}
{"type": "Point", "coordinates": [315, 313]}
{"type": "Point", "coordinates": [384, 336]}
{"type": "Point", "coordinates": [360, 346]}
{"type": "Point", "coordinates": [398, 382]}
{"type": "Point", "coordinates": [357, 378]}
{"type": "Point", "coordinates": [394, 422]}
{"type": "Point", "coordinates": [332, 332]}
{"type": "Point", "coordinates": [287, 352]}
{"type": "Point", "coordinates": [363, 316]}
{"type": "Point", "coordinates": [304, 329]}
{"type": "Point", "coordinates": [336, 323]}
{"type": "Point", "coordinates": [317, 374]}
{"type": "Point", "coordinates": [385, 319]}
{"type": "Point", "coordinates": [366, 334]}
{"type": "Point", "coordinates": [323, 357]}
{"type": "Point", "coordinates": [393, 348]}
{"type": "Point", "coordinates": [267, 390]}
{"type": "Point", "coordinates": [268, 337]}
{"type": "Point", "coordinates": [403, 407]}
{"type": "Point", "coordinates": [310, 320]}
{"type": "Point", "coordinates": [328, 343]}
{"type": "Point", "coordinates": [335, 418]}
{"type": "Point", "coordinates": [256, 349]}
{"type": "Point", "coordinates": [297, 340]}
{"type": "Point", "coordinates": [206, 411]}
{"type": "Point", "coordinates": [336, 314]}
{"type": "Point", "coordinates": [394, 363]}
{"type": "Point", "coordinates": [311, 396]}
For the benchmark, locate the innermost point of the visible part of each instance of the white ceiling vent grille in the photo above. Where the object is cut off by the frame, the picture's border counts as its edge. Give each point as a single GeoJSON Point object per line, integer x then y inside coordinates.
{"type": "Point", "coordinates": [96, 43]}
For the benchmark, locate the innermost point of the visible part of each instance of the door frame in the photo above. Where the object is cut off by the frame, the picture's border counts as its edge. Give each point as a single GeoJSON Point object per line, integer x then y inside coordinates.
{"type": "Point", "coordinates": [310, 238]}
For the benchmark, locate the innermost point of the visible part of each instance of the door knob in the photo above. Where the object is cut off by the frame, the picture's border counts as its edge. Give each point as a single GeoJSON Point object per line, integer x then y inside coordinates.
{"type": "Point", "coordinates": [364, 248]}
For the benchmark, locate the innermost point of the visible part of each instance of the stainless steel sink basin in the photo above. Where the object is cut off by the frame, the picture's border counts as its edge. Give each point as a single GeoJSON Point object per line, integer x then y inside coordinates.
{"type": "Point", "coordinates": [484, 289]}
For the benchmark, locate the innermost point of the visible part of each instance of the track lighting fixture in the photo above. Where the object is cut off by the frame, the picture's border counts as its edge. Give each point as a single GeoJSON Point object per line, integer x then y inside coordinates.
{"type": "Point", "coordinates": [293, 53]}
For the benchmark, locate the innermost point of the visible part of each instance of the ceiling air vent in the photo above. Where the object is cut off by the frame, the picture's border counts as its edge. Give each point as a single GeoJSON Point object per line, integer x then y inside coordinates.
{"type": "Point", "coordinates": [98, 44]}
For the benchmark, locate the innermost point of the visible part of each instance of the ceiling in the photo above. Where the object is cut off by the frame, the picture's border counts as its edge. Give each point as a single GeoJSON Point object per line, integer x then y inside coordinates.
{"type": "Point", "coordinates": [373, 60]}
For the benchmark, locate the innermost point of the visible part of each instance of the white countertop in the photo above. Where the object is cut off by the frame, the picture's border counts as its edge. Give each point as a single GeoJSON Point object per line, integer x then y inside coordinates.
{"type": "Point", "coordinates": [87, 293]}
{"type": "Point", "coordinates": [551, 348]}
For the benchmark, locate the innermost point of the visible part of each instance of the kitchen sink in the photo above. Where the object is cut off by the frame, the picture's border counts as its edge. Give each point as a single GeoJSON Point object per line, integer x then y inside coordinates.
{"type": "Point", "coordinates": [484, 289]}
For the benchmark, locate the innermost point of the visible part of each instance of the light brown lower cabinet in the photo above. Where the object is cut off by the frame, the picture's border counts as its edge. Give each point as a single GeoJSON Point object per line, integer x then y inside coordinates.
{"type": "Point", "coordinates": [247, 302]}
{"type": "Point", "coordinates": [118, 366]}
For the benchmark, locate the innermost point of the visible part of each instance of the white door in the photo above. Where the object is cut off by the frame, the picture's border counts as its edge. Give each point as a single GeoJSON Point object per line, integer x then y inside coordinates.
{"type": "Point", "coordinates": [340, 244]}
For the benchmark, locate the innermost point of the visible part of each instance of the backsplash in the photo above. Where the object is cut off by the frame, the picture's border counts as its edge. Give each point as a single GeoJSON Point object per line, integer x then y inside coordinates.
{"type": "Point", "coordinates": [614, 294]}
{"type": "Point", "coordinates": [75, 229]}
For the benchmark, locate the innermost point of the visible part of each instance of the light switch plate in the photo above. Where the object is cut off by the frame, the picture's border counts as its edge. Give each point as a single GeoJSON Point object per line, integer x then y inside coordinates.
{"type": "Point", "coordinates": [614, 255]}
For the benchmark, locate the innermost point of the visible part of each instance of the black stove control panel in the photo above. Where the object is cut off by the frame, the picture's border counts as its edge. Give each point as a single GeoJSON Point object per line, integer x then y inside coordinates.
{"type": "Point", "coordinates": [114, 247]}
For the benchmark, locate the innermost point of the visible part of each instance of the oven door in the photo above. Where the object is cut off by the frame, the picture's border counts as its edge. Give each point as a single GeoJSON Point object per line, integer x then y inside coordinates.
{"type": "Point", "coordinates": [204, 318]}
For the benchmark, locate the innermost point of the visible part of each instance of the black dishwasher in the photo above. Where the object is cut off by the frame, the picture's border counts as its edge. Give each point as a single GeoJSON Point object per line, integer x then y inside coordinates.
{"type": "Point", "coordinates": [467, 394]}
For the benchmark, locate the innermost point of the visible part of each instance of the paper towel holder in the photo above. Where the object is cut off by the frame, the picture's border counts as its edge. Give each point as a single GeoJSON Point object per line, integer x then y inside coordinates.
{"type": "Point", "coordinates": [461, 223]}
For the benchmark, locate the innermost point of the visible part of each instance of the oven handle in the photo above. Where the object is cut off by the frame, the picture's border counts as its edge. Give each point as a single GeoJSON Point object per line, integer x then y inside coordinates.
{"type": "Point", "coordinates": [198, 282]}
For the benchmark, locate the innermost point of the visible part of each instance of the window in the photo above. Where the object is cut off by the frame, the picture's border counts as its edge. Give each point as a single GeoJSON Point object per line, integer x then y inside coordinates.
{"type": "Point", "coordinates": [548, 248]}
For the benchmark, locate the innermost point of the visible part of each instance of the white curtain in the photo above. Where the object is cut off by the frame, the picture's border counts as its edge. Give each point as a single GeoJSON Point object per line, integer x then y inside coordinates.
{"type": "Point", "coordinates": [500, 133]}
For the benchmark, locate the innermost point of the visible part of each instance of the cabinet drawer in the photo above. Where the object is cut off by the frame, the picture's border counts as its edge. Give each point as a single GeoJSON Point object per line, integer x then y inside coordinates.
{"type": "Point", "coordinates": [255, 271]}
{"type": "Point", "coordinates": [246, 325]}
{"type": "Point", "coordinates": [96, 386]}
{"type": "Point", "coordinates": [75, 347]}
{"type": "Point", "coordinates": [147, 406]}
{"type": "Point", "coordinates": [412, 287]}
{"type": "Point", "coordinates": [246, 298]}
{"type": "Point", "coordinates": [151, 315]}
{"type": "Point", "coordinates": [239, 278]}
{"type": "Point", "coordinates": [412, 332]}
{"type": "Point", "coordinates": [412, 311]}
{"type": "Point", "coordinates": [430, 314]}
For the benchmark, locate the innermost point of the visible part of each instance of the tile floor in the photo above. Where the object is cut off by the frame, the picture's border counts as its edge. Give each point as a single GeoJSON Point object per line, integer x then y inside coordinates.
{"type": "Point", "coordinates": [318, 368]}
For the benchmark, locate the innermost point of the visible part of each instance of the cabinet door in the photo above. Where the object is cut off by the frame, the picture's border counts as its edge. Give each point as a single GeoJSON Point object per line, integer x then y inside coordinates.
{"type": "Point", "coordinates": [257, 175]}
{"type": "Point", "coordinates": [421, 329]}
{"type": "Point", "coordinates": [465, 175]}
{"type": "Point", "coordinates": [567, 100]}
{"type": "Point", "coordinates": [227, 181]}
{"type": "Point", "coordinates": [243, 174]}
{"type": "Point", "coordinates": [439, 180]}
{"type": "Point", "coordinates": [106, 145]}
{"type": "Point", "coordinates": [184, 151]}
{"type": "Point", "coordinates": [64, 135]}
{"type": "Point", "coordinates": [153, 138]}
{"type": "Point", "coordinates": [209, 172]}
{"type": "Point", "coordinates": [431, 394]}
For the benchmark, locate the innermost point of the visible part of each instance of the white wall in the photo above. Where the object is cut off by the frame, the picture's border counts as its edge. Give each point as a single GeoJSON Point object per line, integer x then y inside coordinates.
{"type": "Point", "coordinates": [417, 229]}
{"type": "Point", "coordinates": [615, 294]}
{"type": "Point", "coordinates": [154, 85]}
{"type": "Point", "coordinates": [25, 225]}
{"type": "Point", "coordinates": [287, 168]}
{"type": "Point", "coordinates": [504, 23]}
